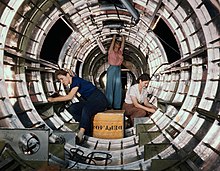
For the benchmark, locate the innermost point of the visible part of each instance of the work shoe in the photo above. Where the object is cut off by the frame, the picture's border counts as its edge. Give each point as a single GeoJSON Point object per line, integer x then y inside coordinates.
{"type": "Point", "coordinates": [79, 138]}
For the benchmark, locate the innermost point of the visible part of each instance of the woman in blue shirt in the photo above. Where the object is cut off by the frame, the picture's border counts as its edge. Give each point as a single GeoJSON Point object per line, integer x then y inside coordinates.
{"type": "Point", "coordinates": [82, 111]}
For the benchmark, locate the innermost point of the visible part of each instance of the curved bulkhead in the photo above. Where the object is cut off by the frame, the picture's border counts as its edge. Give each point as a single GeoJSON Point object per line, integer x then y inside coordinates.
{"type": "Point", "coordinates": [176, 42]}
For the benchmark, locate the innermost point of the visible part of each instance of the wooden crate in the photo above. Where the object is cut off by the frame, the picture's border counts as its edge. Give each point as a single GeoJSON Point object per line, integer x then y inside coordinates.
{"type": "Point", "coordinates": [109, 124]}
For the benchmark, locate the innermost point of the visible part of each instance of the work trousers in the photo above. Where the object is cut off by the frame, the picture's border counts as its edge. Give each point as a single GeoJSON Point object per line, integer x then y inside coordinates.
{"type": "Point", "coordinates": [114, 87]}
{"type": "Point", "coordinates": [133, 112]}
{"type": "Point", "coordinates": [84, 111]}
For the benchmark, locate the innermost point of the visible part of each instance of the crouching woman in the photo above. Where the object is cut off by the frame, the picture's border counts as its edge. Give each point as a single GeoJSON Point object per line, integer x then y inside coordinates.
{"type": "Point", "coordinates": [136, 102]}
{"type": "Point", "coordinates": [82, 111]}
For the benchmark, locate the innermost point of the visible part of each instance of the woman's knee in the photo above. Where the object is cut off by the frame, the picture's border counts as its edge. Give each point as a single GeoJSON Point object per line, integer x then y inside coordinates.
{"type": "Point", "coordinates": [88, 111]}
{"type": "Point", "coordinates": [140, 113]}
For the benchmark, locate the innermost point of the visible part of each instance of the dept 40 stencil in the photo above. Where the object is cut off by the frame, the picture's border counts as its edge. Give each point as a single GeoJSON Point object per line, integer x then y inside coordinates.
{"type": "Point", "coordinates": [108, 127]}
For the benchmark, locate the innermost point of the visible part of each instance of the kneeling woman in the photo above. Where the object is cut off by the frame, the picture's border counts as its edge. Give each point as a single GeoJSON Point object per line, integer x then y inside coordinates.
{"type": "Point", "coordinates": [136, 101]}
{"type": "Point", "coordinates": [83, 111]}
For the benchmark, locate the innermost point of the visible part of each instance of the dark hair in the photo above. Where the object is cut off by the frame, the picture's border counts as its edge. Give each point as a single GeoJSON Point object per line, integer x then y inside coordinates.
{"type": "Point", "coordinates": [118, 41]}
{"type": "Point", "coordinates": [143, 77]}
{"type": "Point", "coordinates": [60, 72]}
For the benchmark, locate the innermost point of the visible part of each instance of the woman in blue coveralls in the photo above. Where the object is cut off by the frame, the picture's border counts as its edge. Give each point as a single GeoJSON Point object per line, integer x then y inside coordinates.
{"type": "Point", "coordinates": [82, 111]}
{"type": "Point", "coordinates": [113, 84]}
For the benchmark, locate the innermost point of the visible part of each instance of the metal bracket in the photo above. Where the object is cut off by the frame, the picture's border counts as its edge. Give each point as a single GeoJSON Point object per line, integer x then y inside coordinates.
{"type": "Point", "coordinates": [68, 136]}
{"type": "Point", "coordinates": [29, 144]}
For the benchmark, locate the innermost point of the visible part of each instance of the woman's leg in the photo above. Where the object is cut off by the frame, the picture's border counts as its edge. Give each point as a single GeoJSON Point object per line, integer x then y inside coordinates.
{"type": "Point", "coordinates": [133, 112]}
{"type": "Point", "coordinates": [76, 110]}
{"type": "Point", "coordinates": [110, 85]}
{"type": "Point", "coordinates": [118, 88]}
{"type": "Point", "coordinates": [97, 102]}
{"type": "Point", "coordinates": [137, 113]}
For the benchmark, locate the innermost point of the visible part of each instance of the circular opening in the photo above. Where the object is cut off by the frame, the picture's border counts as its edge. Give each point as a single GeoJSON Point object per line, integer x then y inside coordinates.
{"type": "Point", "coordinates": [29, 143]}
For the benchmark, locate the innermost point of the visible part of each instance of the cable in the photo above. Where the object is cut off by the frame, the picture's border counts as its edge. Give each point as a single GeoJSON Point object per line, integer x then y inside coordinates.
{"type": "Point", "coordinates": [31, 148]}
{"type": "Point", "coordinates": [117, 12]}
{"type": "Point", "coordinates": [160, 38]}
{"type": "Point", "coordinates": [91, 157]}
{"type": "Point", "coordinates": [77, 155]}
{"type": "Point", "coordinates": [157, 69]}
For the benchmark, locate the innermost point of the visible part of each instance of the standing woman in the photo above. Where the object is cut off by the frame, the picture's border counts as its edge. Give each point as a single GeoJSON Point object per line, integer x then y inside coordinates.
{"type": "Point", "coordinates": [136, 101]}
{"type": "Point", "coordinates": [114, 85]}
{"type": "Point", "coordinates": [83, 111]}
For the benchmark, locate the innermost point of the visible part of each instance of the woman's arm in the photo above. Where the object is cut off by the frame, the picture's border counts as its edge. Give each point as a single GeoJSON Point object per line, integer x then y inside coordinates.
{"type": "Point", "coordinates": [138, 105]}
{"type": "Point", "coordinates": [112, 44]}
{"type": "Point", "coordinates": [147, 104]}
{"type": "Point", "coordinates": [122, 43]}
{"type": "Point", "coordinates": [67, 97]}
